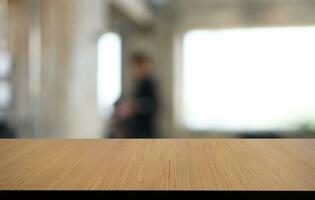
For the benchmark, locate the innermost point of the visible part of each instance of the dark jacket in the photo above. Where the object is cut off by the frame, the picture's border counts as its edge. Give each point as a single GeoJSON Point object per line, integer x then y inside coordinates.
{"type": "Point", "coordinates": [145, 96]}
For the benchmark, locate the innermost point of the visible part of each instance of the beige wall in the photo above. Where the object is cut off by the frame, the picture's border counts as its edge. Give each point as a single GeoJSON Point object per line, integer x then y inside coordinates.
{"type": "Point", "coordinates": [18, 46]}
{"type": "Point", "coordinates": [89, 23]}
{"type": "Point", "coordinates": [65, 105]}
{"type": "Point", "coordinates": [4, 18]}
{"type": "Point", "coordinates": [56, 18]}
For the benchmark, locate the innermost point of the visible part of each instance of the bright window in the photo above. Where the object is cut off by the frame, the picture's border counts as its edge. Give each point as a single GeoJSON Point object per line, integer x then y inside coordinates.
{"type": "Point", "coordinates": [5, 95]}
{"type": "Point", "coordinates": [5, 86]}
{"type": "Point", "coordinates": [248, 79]}
{"type": "Point", "coordinates": [109, 72]}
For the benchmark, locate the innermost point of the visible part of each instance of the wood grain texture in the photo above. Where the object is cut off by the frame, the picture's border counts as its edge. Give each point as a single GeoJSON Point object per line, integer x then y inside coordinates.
{"type": "Point", "coordinates": [161, 164]}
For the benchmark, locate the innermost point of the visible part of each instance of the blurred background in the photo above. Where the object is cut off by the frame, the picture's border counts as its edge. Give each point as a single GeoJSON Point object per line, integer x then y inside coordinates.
{"type": "Point", "coordinates": [157, 68]}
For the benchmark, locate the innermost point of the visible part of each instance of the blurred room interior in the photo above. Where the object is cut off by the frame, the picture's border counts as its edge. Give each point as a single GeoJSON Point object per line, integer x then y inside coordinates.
{"type": "Point", "coordinates": [218, 68]}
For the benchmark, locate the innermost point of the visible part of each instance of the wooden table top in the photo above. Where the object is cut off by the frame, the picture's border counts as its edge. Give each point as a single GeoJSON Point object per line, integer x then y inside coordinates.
{"type": "Point", "coordinates": [161, 164]}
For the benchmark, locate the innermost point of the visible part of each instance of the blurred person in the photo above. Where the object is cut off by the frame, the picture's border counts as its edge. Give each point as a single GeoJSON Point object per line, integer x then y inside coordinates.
{"type": "Point", "coordinates": [6, 131]}
{"type": "Point", "coordinates": [145, 101]}
{"type": "Point", "coordinates": [134, 117]}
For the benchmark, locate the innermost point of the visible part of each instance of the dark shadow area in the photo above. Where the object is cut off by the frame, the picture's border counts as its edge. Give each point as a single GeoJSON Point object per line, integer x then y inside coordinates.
{"type": "Point", "coordinates": [261, 135]}
{"type": "Point", "coordinates": [6, 131]}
